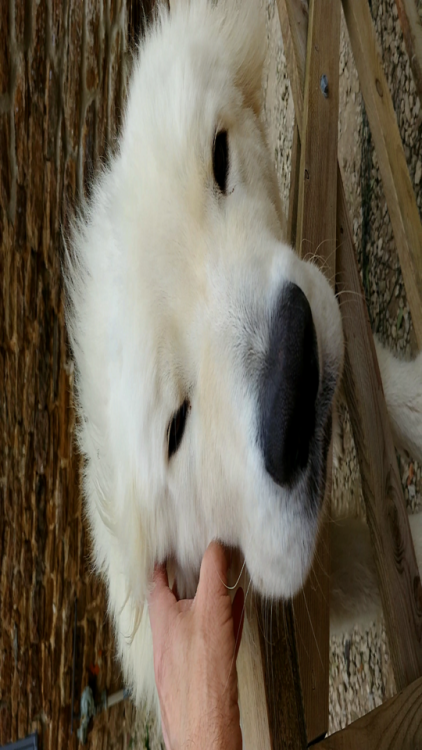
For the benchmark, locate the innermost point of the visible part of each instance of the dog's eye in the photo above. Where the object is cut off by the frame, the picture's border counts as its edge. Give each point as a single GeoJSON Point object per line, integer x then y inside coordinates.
{"type": "Point", "coordinates": [220, 160]}
{"type": "Point", "coordinates": [177, 428]}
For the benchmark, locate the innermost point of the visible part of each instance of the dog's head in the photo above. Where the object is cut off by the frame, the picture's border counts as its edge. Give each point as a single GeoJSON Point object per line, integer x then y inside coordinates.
{"type": "Point", "coordinates": [207, 353]}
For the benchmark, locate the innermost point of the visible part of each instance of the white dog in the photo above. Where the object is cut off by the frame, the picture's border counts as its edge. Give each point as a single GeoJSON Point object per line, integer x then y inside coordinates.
{"type": "Point", "coordinates": [208, 355]}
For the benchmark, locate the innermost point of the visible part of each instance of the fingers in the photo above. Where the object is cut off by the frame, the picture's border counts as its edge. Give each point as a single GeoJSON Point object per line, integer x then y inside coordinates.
{"type": "Point", "coordinates": [161, 603]}
{"type": "Point", "coordinates": [213, 584]}
{"type": "Point", "coordinates": [164, 603]}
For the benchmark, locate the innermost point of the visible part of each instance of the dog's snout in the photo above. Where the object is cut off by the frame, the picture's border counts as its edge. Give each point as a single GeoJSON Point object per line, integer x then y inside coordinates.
{"type": "Point", "coordinates": [289, 387]}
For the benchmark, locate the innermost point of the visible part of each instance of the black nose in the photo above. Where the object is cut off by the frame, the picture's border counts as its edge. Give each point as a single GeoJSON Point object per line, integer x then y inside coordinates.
{"type": "Point", "coordinates": [289, 387]}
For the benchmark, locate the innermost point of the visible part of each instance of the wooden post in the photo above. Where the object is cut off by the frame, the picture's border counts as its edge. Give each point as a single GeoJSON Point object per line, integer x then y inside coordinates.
{"type": "Point", "coordinates": [294, 188]}
{"type": "Point", "coordinates": [251, 681]}
{"type": "Point", "coordinates": [269, 680]}
{"type": "Point", "coordinates": [315, 237]}
{"type": "Point", "coordinates": [316, 228]}
{"type": "Point", "coordinates": [281, 675]}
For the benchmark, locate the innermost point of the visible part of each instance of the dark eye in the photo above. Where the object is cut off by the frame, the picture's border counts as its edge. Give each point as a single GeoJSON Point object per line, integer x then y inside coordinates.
{"type": "Point", "coordinates": [177, 428]}
{"type": "Point", "coordinates": [220, 160]}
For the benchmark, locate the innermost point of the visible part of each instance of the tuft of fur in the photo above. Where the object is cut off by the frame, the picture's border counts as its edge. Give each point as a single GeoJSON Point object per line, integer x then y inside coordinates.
{"type": "Point", "coordinates": [354, 590]}
{"type": "Point", "coordinates": [402, 384]}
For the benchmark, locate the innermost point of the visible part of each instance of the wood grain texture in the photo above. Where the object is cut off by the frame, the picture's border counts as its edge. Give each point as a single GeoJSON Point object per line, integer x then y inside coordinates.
{"type": "Point", "coordinates": [277, 640]}
{"type": "Point", "coordinates": [411, 25]}
{"type": "Point", "coordinates": [294, 19]}
{"type": "Point", "coordinates": [294, 188]}
{"type": "Point", "coordinates": [398, 190]}
{"type": "Point", "coordinates": [400, 584]}
{"type": "Point", "coordinates": [316, 229]}
{"type": "Point", "coordinates": [316, 238]}
{"type": "Point", "coordinates": [312, 624]}
{"type": "Point", "coordinates": [252, 693]}
{"type": "Point", "coordinates": [293, 15]}
{"type": "Point", "coordinates": [270, 697]}
{"type": "Point", "coordinates": [396, 725]}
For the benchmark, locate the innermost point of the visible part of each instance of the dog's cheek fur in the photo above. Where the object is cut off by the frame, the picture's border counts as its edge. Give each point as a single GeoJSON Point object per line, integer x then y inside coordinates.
{"type": "Point", "coordinates": [239, 27]}
{"type": "Point", "coordinates": [246, 32]}
{"type": "Point", "coordinates": [402, 384]}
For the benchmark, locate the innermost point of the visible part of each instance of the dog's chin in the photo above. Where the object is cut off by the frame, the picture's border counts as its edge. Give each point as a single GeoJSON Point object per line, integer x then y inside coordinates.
{"type": "Point", "coordinates": [279, 578]}
{"type": "Point", "coordinates": [279, 566]}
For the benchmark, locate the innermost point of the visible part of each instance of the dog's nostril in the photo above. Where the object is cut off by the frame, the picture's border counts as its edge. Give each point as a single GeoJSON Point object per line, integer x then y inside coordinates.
{"type": "Point", "coordinates": [289, 388]}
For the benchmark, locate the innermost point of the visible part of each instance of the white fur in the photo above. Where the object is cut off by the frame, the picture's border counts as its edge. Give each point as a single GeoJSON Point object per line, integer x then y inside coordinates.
{"type": "Point", "coordinates": [169, 284]}
{"type": "Point", "coordinates": [402, 383]}
{"type": "Point", "coordinates": [354, 591]}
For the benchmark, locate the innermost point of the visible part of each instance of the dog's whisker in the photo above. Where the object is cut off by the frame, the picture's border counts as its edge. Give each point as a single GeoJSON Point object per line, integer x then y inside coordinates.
{"type": "Point", "coordinates": [312, 627]}
{"type": "Point", "coordinates": [297, 631]}
{"type": "Point", "coordinates": [231, 588]}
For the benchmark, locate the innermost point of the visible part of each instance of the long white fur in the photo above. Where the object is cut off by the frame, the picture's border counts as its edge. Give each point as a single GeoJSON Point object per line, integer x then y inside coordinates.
{"type": "Point", "coordinates": [402, 384]}
{"type": "Point", "coordinates": [354, 590]}
{"type": "Point", "coordinates": [166, 280]}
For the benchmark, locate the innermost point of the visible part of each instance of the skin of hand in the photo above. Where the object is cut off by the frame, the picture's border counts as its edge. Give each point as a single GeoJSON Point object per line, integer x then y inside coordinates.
{"type": "Point", "coordinates": [195, 643]}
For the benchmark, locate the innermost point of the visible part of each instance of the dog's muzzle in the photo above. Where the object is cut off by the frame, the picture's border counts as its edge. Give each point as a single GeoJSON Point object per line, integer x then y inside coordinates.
{"type": "Point", "coordinates": [289, 387]}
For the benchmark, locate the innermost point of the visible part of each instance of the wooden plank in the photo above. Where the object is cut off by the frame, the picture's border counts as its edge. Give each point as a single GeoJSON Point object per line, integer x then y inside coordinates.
{"type": "Point", "coordinates": [398, 189]}
{"type": "Point", "coordinates": [316, 230]}
{"type": "Point", "coordinates": [270, 698]}
{"type": "Point", "coordinates": [411, 24]}
{"type": "Point", "coordinates": [316, 238]}
{"type": "Point", "coordinates": [252, 694]}
{"type": "Point", "coordinates": [396, 725]}
{"type": "Point", "coordinates": [293, 14]}
{"type": "Point", "coordinates": [312, 623]}
{"type": "Point", "coordinates": [401, 595]}
{"type": "Point", "coordinates": [281, 675]}
{"type": "Point", "coordinates": [294, 17]}
{"type": "Point", "coordinates": [398, 575]}
{"type": "Point", "coordinates": [294, 188]}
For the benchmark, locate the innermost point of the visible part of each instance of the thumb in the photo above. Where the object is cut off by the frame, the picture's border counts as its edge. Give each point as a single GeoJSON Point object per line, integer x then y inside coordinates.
{"type": "Point", "coordinates": [161, 604]}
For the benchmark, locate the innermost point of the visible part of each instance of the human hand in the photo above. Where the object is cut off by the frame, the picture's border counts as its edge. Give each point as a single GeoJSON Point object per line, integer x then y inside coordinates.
{"type": "Point", "coordinates": [195, 644]}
